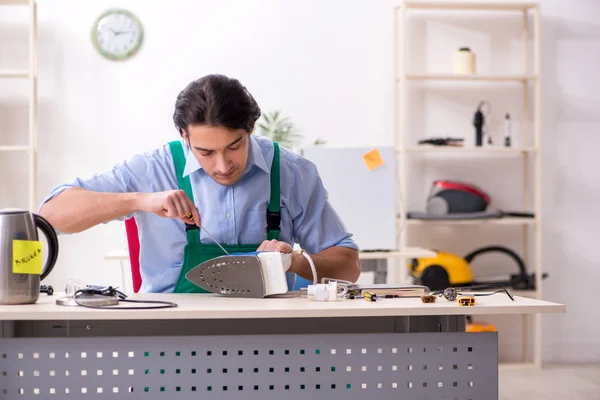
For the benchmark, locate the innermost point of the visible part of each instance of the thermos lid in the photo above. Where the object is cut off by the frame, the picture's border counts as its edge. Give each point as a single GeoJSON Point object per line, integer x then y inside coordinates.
{"type": "Point", "coordinates": [10, 211]}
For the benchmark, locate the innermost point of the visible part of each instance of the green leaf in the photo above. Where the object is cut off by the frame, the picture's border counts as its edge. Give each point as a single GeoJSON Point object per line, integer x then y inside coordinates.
{"type": "Point", "coordinates": [278, 128]}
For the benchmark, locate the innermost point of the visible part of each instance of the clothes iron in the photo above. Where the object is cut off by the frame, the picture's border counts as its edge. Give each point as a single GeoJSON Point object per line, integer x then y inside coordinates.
{"type": "Point", "coordinates": [252, 275]}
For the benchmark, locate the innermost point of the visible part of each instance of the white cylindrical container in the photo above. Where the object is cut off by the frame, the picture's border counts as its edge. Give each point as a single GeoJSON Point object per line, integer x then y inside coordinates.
{"type": "Point", "coordinates": [464, 61]}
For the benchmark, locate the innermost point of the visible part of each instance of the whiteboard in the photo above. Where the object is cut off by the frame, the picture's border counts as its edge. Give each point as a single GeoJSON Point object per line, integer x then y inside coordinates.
{"type": "Point", "coordinates": [363, 198]}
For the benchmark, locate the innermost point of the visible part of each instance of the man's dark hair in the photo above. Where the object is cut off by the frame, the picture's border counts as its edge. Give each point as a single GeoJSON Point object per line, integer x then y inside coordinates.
{"type": "Point", "coordinates": [216, 100]}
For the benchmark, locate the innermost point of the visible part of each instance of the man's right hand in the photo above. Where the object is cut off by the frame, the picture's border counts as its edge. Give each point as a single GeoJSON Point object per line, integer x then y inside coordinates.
{"type": "Point", "coordinates": [171, 204]}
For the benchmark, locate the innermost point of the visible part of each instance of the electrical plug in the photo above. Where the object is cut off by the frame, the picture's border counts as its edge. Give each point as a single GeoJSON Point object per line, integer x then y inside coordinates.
{"type": "Point", "coordinates": [326, 291]}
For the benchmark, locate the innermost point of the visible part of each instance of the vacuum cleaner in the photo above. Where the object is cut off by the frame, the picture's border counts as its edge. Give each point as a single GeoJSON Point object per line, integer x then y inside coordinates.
{"type": "Point", "coordinates": [453, 200]}
{"type": "Point", "coordinates": [450, 270]}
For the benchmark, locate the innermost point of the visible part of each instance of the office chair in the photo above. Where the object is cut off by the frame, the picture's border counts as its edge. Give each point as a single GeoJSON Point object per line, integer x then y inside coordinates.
{"type": "Point", "coordinates": [133, 243]}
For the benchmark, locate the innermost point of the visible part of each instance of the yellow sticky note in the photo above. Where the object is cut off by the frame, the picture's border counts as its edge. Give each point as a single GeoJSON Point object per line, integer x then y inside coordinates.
{"type": "Point", "coordinates": [373, 159]}
{"type": "Point", "coordinates": [27, 257]}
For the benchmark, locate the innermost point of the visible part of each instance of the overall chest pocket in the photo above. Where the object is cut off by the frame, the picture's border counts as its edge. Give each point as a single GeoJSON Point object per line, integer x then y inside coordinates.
{"type": "Point", "coordinates": [252, 226]}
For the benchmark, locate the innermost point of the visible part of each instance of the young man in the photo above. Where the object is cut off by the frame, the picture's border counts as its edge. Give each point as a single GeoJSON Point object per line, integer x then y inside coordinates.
{"type": "Point", "coordinates": [249, 193]}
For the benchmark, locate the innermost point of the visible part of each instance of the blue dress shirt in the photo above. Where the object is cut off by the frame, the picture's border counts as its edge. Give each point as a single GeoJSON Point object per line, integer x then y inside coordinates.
{"type": "Point", "coordinates": [232, 214]}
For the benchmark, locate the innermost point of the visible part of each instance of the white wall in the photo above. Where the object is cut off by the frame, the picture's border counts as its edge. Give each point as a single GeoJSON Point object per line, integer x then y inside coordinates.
{"type": "Point", "coordinates": [328, 64]}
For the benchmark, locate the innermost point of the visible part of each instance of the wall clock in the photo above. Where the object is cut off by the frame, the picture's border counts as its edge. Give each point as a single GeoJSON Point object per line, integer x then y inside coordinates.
{"type": "Point", "coordinates": [117, 34]}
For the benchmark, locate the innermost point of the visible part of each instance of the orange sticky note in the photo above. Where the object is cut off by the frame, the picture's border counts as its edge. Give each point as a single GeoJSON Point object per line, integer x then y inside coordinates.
{"type": "Point", "coordinates": [373, 159]}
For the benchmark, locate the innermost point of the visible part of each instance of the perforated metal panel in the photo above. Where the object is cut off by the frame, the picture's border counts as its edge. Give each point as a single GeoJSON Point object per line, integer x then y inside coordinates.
{"type": "Point", "coordinates": [354, 366]}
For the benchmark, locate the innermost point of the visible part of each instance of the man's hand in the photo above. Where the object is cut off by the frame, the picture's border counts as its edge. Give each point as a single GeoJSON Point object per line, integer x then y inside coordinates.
{"type": "Point", "coordinates": [171, 204]}
{"type": "Point", "coordinates": [77, 209]}
{"type": "Point", "coordinates": [275, 245]}
{"type": "Point", "coordinates": [334, 262]}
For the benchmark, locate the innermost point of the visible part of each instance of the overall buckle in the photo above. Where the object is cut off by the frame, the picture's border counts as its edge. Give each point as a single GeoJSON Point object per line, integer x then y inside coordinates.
{"type": "Point", "coordinates": [273, 220]}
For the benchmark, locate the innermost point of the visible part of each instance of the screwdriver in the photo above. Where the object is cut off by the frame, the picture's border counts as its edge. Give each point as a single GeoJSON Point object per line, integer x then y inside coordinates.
{"type": "Point", "coordinates": [191, 217]}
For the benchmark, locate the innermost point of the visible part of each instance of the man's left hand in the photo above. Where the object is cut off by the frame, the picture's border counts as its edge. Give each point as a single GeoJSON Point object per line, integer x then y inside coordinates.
{"type": "Point", "coordinates": [275, 245]}
{"type": "Point", "coordinates": [335, 262]}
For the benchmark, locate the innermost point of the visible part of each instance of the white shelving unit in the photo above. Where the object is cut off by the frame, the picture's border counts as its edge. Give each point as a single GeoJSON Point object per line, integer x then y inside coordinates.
{"type": "Point", "coordinates": [448, 77]}
{"type": "Point", "coordinates": [473, 150]}
{"type": "Point", "coordinates": [30, 74]}
{"type": "Point", "coordinates": [530, 82]}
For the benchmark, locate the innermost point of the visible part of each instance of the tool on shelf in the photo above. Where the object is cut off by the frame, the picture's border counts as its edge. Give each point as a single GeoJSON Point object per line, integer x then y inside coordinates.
{"type": "Point", "coordinates": [441, 141]}
{"type": "Point", "coordinates": [479, 123]}
{"type": "Point", "coordinates": [507, 129]}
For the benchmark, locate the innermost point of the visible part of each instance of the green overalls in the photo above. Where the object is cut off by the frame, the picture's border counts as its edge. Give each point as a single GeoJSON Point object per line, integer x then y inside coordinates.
{"type": "Point", "coordinates": [195, 252]}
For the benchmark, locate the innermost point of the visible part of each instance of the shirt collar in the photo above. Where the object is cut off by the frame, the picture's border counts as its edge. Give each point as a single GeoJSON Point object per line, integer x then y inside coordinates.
{"type": "Point", "coordinates": [191, 163]}
{"type": "Point", "coordinates": [255, 157]}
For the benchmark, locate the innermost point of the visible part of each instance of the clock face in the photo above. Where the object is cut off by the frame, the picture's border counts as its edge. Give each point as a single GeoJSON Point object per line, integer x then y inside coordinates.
{"type": "Point", "coordinates": [117, 34]}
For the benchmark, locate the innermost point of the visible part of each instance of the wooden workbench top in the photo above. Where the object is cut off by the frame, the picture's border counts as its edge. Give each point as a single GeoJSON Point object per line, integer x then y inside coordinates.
{"type": "Point", "coordinates": [210, 306]}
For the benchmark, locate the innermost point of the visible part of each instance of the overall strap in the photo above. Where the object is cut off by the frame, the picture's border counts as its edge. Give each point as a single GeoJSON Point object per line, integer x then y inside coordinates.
{"type": "Point", "coordinates": [179, 161]}
{"type": "Point", "coordinates": [274, 211]}
{"type": "Point", "coordinates": [184, 184]}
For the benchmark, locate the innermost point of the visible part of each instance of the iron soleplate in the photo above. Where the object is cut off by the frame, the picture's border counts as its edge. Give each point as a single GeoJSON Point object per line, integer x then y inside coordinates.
{"type": "Point", "coordinates": [233, 276]}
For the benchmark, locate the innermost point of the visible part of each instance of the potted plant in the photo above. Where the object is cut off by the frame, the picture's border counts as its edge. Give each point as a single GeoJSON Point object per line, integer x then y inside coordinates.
{"type": "Point", "coordinates": [280, 129]}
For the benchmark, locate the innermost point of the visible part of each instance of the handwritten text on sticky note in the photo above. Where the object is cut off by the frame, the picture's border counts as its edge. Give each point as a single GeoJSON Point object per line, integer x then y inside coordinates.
{"type": "Point", "coordinates": [373, 159]}
{"type": "Point", "coordinates": [27, 257]}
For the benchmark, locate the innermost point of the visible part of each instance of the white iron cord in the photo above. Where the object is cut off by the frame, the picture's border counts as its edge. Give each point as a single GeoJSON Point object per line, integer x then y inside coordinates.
{"type": "Point", "coordinates": [342, 285]}
{"type": "Point", "coordinates": [313, 269]}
